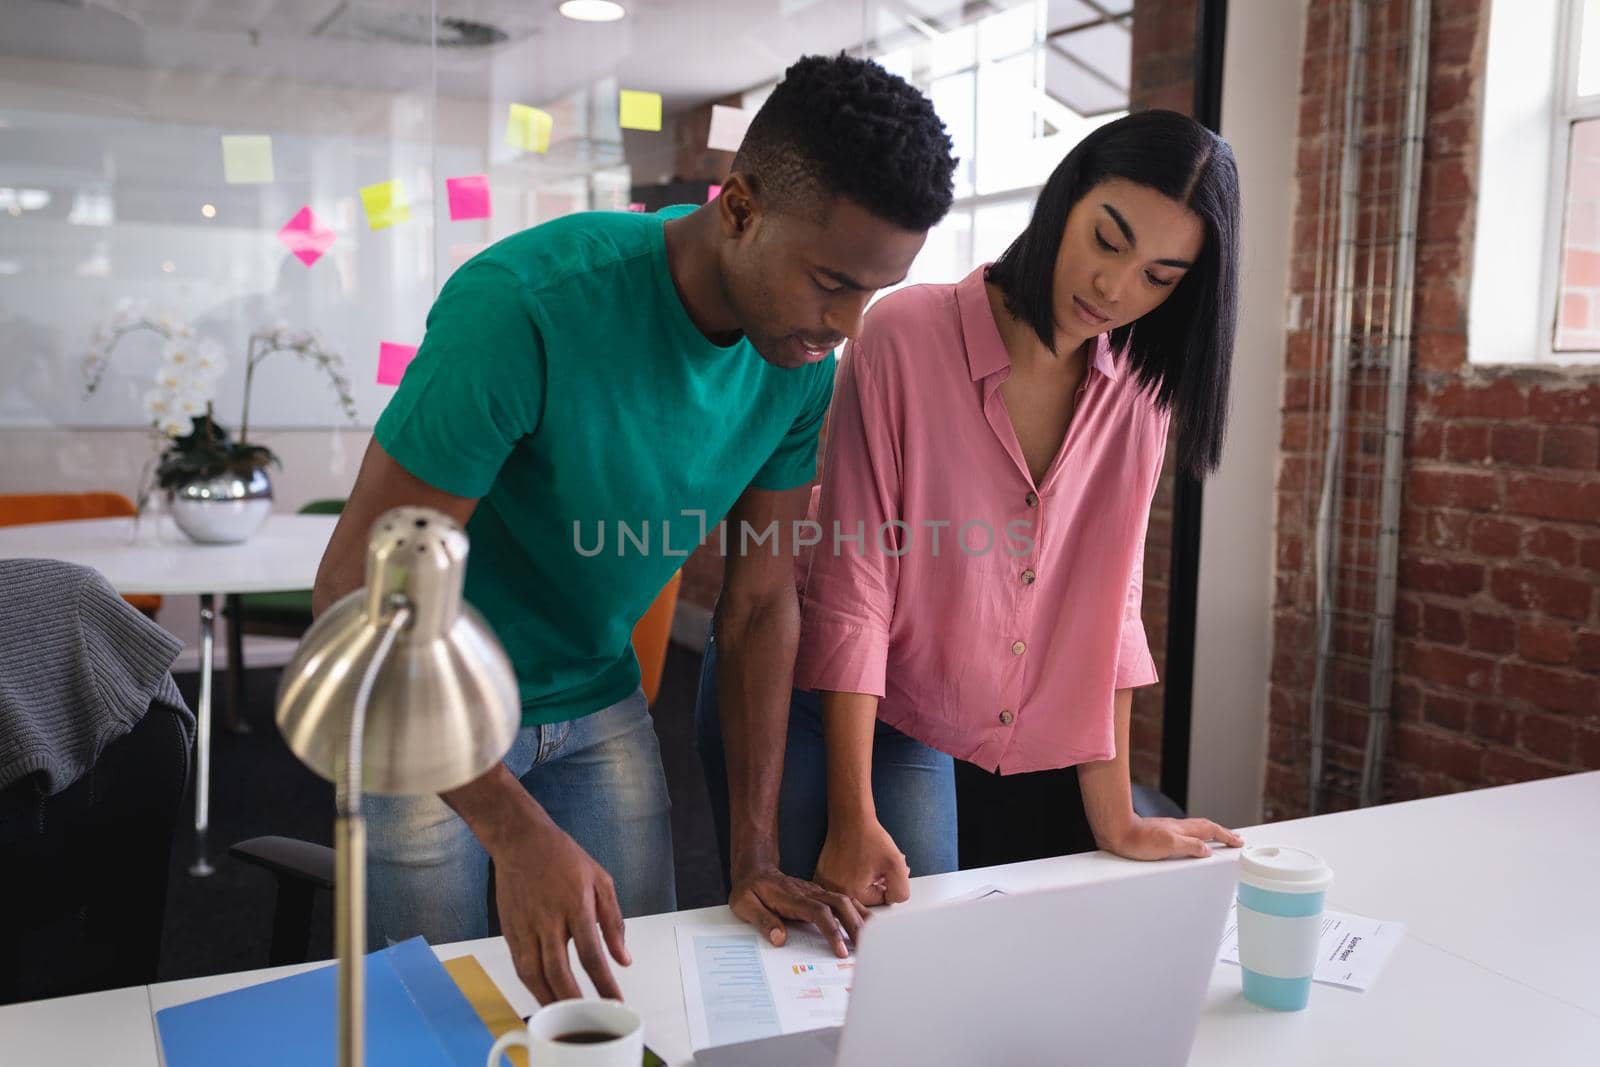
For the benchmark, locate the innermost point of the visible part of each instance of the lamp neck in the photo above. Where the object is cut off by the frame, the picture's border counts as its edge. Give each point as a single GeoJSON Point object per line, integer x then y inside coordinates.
{"type": "Point", "coordinates": [347, 788]}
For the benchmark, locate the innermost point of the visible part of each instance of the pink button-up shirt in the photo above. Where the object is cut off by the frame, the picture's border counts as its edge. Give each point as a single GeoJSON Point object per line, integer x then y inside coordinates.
{"type": "Point", "coordinates": [993, 616]}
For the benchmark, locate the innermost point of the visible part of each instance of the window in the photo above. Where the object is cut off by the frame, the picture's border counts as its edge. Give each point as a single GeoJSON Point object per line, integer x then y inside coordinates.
{"type": "Point", "coordinates": [1017, 87]}
{"type": "Point", "coordinates": [1577, 137]}
{"type": "Point", "coordinates": [1536, 264]}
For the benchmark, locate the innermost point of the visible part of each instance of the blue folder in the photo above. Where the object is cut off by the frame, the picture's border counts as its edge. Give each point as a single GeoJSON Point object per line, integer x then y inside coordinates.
{"type": "Point", "coordinates": [416, 1017]}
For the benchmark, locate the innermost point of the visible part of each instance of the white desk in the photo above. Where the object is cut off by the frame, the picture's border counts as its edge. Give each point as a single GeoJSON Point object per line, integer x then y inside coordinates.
{"type": "Point", "coordinates": [158, 558]}
{"type": "Point", "coordinates": [113, 1029]}
{"type": "Point", "coordinates": [1499, 965]}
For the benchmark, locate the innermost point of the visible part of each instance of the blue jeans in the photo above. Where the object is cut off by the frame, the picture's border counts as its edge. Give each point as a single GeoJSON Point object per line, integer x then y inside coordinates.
{"type": "Point", "coordinates": [601, 780]}
{"type": "Point", "coordinates": [913, 786]}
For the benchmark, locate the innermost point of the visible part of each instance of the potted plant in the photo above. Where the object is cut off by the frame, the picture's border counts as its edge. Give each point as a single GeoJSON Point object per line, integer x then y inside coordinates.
{"type": "Point", "coordinates": [218, 485]}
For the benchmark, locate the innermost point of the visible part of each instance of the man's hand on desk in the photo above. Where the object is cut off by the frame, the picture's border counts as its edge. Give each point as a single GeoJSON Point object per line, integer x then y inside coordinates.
{"type": "Point", "coordinates": [1143, 838]}
{"type": "Point", "coordinates": [549, 891]}
{"type": "Point", "coordinates": [763, 896]}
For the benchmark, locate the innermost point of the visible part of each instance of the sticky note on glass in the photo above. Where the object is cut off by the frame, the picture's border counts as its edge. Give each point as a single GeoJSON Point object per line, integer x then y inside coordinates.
{"type": "Point", "coordinates": [469, 196]}
{"type": "Point", "coordinates": [728, 127]}
{"type": "Point", "coordinates": [528, 128]}
{"type": "Point", "coordinates": [712, 192]}
{"type": "Point", "coordinates": [306, 236]}
{"type": "Point", "coordinates": [636, 206]}
{"type": "Point", "coordinates": [639, 110]}
{"type": "Point", "coordinates": [247, 159]}
{"type": "Point", "coordinates": [393, 360]}
{"type": "Point", "coordinates": [386, 205]}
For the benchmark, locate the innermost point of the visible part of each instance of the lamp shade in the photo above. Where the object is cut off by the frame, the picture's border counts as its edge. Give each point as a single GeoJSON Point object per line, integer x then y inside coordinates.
{"type": "Point", "coordinates": [443, 705]}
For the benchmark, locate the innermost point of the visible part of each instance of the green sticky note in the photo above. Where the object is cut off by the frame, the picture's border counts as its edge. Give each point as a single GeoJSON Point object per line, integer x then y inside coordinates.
{"type": "Point", "coordinates": [386, 204]}
{"type": "Point", "coordinates": [528, 128]}
{"type": "Point", "coordinates": [247, 159]}
{"type": "Point", "coordinates": [639, 110]}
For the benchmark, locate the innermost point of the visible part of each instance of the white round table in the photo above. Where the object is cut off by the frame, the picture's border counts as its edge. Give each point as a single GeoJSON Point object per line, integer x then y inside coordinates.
{"type": "Point", "coordinates": [155, 557]}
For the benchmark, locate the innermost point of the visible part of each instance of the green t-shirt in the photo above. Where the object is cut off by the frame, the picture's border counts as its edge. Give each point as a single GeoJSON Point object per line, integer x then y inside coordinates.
{"type": "Point", "coordinates": [562, 381]}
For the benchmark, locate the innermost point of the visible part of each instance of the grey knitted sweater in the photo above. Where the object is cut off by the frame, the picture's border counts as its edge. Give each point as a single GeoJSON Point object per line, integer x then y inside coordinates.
{"type": "Point", "coordinates": [79, 666]}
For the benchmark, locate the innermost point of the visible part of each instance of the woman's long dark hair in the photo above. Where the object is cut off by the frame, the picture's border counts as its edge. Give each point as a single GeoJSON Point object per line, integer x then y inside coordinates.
{"type": "Point", "coordinates": [1183, 350]}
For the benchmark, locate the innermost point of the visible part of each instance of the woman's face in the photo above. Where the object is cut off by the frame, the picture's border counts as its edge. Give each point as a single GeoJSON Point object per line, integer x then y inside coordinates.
{"type": "Point", "coordinates": [1124, 251]}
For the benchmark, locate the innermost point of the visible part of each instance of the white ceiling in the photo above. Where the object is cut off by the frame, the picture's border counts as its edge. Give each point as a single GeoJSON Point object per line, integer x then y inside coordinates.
{"type": "Point", "coordinates": [688, 50]}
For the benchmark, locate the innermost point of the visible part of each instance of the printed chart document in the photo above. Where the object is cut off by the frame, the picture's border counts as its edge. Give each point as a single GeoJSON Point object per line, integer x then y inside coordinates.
{"type": "Point", "coordinates": [1351, 953]}
{"type": "Point", "coordinates": [738, 987]}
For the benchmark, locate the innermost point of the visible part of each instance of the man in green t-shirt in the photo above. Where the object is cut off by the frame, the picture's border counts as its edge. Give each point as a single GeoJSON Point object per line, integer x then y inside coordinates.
{"type": "Point", "coordinates": [590, 395]}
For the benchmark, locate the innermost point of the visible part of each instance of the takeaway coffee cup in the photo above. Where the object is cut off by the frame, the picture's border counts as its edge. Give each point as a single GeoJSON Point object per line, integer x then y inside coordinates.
{"type": "Point", "coordinates": [578, 1033]}
{"type": "Point", "coordinates": [1280, 921]}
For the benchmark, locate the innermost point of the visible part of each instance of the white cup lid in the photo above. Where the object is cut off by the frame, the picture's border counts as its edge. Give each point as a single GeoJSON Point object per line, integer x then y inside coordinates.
{"type": "Point", "coordinates": [1293, 869]}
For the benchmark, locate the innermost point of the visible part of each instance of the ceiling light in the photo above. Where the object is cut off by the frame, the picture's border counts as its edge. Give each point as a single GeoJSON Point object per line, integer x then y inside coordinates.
{"type": "Point", "coordinates": [208, 210]}
{"type": "Point", "coordinates": [592, 10]}
{"type": "Point", "coordinates": [168, 267]}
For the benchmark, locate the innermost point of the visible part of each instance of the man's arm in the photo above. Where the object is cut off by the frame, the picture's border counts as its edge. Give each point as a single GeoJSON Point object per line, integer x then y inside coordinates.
{"type": "Point", "coordinates": [381, 484]}
{"type": "Point", "coordinates": [757, 628]}
{"type": "Point", "coordinates": [550, 889]}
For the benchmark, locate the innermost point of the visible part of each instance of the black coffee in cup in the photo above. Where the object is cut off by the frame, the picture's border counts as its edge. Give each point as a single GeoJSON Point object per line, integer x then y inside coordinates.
{"type": "Point", "coordinates": [585, 1037]}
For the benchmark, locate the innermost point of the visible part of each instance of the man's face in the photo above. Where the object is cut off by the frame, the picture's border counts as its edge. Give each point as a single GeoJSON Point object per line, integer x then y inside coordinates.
{"type": "Point", "coordinates": [800, 285]}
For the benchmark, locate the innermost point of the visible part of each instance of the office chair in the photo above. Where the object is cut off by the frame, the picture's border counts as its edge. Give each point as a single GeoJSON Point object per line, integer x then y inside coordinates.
{"type": "Point", "coordinates": [95, 741]}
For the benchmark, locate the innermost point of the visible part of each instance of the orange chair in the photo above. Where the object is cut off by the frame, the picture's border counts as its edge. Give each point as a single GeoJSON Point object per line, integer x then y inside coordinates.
{"type": "Point", "coordinates": [21, 509]}
{"type": "Point", "coordinates": [651, 634]}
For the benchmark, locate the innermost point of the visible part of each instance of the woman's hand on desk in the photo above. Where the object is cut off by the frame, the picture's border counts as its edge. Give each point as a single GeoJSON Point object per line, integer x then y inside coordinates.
{"type": "Point", "coordinates": [861, 860]}
{"type": "Point", "coordinates": [1143, 838]}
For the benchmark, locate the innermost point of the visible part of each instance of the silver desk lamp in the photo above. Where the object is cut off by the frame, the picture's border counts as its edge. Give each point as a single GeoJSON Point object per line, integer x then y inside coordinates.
{"type": "Point", "coordinates": [398, 688]}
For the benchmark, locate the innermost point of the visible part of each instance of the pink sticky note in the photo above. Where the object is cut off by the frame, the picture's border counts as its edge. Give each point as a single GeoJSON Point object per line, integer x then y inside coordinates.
{"type": "Point", "coordinates": [712, 193]}
{"type": "Point", "coordinates": [306, 236]}
{"type": "Point", "coordinates": [392, 361]}
{"type": "Point", "coordinates": [635, 206]}
{"type": "Point", "coordinates": [469, 197]}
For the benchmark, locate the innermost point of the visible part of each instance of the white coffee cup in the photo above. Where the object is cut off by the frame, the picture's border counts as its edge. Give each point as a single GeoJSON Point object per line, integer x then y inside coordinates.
{"type": "Point", "coordinates": [550, 1033]}
{"type": "Point", "coordinates": [1281, 891]}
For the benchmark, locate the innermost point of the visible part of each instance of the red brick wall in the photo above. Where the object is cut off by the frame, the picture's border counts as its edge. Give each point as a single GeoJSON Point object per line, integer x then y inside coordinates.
{"type": "Point", "coordinates": [1497, 619]}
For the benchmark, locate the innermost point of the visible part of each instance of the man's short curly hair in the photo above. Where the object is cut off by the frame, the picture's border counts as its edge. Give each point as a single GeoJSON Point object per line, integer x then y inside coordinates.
{"type": "Point", "coordinates": [838, 126]}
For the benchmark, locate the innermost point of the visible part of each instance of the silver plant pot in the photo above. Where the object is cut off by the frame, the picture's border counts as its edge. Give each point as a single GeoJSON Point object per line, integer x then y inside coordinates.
{"type": "Point", "coordinates": [222, 510]}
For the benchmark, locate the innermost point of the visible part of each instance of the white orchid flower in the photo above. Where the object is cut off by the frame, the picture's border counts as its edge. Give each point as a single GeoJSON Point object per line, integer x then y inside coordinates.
{"type": "Point", "coordinates": [209, 361]}
{"type": "Point", "coordinates": [177, 353]}
{"type": "Point", "coordinates": [174, 378]}
{"type": "Point", "coordinates": [157, 404]}
{"type": "Point", "coordinates": [174, 426]}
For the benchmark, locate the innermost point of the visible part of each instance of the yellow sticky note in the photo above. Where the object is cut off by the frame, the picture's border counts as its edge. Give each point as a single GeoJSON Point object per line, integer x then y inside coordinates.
{"type": "Point", "coordinates": [640, 111]}
{"type": "Point", "coordinates": [528, 128]}
{"type": "Point", "coordinates": [386, 205]}
{"type": "Point", "coordinates": [247, 159]}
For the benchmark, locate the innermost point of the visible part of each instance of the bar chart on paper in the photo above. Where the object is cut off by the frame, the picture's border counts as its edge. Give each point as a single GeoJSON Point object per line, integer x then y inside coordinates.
{"type": "Point", "coordinates": [737, 987]}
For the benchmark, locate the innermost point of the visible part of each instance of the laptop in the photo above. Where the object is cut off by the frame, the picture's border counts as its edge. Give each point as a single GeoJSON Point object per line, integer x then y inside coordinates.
{"type": "Point", "coordinates": [1111, 973]}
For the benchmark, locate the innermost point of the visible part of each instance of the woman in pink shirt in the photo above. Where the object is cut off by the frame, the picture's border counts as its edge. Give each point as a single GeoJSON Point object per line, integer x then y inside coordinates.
{"type": "Point", "coordinates": [972, 605]}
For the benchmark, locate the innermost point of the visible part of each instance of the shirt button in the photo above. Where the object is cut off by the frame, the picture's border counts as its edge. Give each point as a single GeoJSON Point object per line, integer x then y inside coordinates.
{"type": "Point", "coordinates": [1018, 648]}
{"type": "Point", "coordinates": [1006, 718]}
{"type": "Point", "coordinates": [1032, 499]}
{"type": "Point", "coordinates": [1028, 577]}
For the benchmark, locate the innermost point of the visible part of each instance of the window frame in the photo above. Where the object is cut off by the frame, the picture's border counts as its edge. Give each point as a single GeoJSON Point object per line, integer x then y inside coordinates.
{"type": "Point", "coordinates": [1567, 108]}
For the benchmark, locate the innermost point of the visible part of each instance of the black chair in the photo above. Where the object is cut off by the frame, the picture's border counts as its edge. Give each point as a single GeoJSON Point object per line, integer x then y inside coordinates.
{"type": "Point", "coordinates": [302, 869]}
{"type": "Point", "coordinates": [84, 886]}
